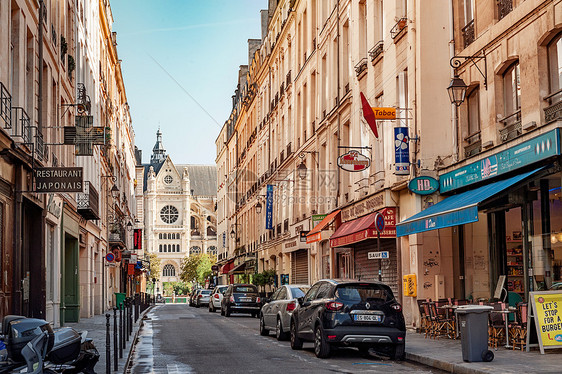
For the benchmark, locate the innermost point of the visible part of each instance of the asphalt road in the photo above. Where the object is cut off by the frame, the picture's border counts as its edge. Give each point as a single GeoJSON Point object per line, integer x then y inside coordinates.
{"type": "Point", "coordinates": [182, 339]}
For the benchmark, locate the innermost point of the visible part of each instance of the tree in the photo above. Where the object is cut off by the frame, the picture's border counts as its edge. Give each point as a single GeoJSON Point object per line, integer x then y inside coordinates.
{"type": "Point", "coordinates": [196, 268]}
{"type": "Point", "coordinates": [154, 266]}
{"type": "Point", "coordinates": [265, 278]}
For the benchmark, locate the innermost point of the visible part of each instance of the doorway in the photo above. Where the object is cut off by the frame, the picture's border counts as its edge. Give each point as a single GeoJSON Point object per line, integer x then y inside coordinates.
{"type": "Point", "coordinates": [70, 280]}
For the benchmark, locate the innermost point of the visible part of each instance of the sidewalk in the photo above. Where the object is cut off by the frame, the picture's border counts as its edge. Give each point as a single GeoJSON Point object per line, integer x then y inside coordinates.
{"type": "Point", "coordinates": [446, 354]}
{"type": "Point", "coordinates": [96, 327]}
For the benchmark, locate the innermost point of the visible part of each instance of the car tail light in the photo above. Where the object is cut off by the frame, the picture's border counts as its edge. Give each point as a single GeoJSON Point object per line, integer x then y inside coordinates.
{"type": "Point", "coordinates": [258, 300]}
{"type": "Point", "coordinates": [200, 296]}
{"type": "Point", "coordinates": [231, 299]}
{"type": "Point", "coordinates": [216, 296]}
{"type": "Point", "coordinates": [332, 337]}
{"type": "Point", "coordinates": [334, 306]}
{"type": "Point", "coordinates": [291, 306]}
{"type": "Point", "coordinates": [400, 338]}
{"type": "Point", "coordinates": [397, 307]}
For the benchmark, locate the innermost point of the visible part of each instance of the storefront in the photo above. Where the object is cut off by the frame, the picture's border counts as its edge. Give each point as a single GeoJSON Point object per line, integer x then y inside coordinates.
{"type": "Point", "coordinates": [365, 254]}
{"type": "Point", "coordinates": [510, 204]}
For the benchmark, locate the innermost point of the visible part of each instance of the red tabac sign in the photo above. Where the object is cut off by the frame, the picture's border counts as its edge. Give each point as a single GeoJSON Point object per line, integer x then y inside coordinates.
{"type": "Point", "coordinates": [354, 161]}
{"type": "Point", "coordinates": [137, 239]}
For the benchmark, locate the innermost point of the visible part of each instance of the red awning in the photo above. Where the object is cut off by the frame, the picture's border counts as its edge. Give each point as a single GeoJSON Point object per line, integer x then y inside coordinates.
{"type": "Point", "coordinates": [364, 228]}
{"type": "Point", "coordinates": [315, 234]}
{"type": "Point", "coordinates": [226, 267]}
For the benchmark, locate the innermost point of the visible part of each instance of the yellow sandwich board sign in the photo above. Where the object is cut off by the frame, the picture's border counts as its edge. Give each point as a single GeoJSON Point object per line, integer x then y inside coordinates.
{"type": "Point", "coordinates": [546, 313]}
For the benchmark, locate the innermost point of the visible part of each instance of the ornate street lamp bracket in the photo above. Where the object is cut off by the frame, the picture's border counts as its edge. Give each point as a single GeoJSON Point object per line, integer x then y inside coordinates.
{"type": "Point", "coordinates": [457, 61]}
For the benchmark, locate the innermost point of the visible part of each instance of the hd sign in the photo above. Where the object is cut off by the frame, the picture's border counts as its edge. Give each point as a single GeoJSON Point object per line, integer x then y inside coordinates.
{"type": "Point", "coordinates": [424, 185]}
{"type": "Point", "coordinates": [58, 180]}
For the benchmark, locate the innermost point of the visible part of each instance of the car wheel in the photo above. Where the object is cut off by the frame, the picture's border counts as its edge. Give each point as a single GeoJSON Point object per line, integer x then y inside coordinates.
{"type": "Point", "coordinates": [263, 330]}
{"type": "Point", "coordinates": [321, 346]}
{"type": "Point", "coordinates": [227, 312]}
{"type": "Point", "coordinates": [279, 333]}
{"type": "Point", "coordinates": [398, 351]}
{"type": "Point", "coordinates": [296, 342]}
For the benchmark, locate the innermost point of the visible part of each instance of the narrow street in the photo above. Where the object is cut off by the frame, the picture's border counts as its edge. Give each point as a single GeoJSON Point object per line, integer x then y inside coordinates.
{"type": "Point", "coordinates": [183, 339]}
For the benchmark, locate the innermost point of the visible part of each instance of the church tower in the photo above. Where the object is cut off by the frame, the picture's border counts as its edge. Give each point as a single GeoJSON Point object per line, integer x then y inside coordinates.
{"type": "Point", "coordinates": [158, 152]}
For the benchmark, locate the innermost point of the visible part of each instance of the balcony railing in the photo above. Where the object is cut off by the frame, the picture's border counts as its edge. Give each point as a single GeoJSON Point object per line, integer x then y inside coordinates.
{"type": "Point", "coordinates": [468, 33]}
{"type": "Point", "coordinates": [553, 112]}
{"type": "Point", "coordinates": [88, 202]}
{"type": "Point", "coordinates": [504, 8]}
{"type": "Point", "coordinates": [5, 107]}
{"type": "Point", "coordinates": [21, 127]}
{"type": "Point", "coordinates": [512, 127]}
{"type": "Point", "coordinates": [399, 28]}
{"type": "Point", "coordinates": [377, 50]}
{"type": "Point", "coordinates": [474, 145]}
{"type": "Point", "coordinates": [361, 66]}
{"type": "Point", "coordinates": [116, 234]}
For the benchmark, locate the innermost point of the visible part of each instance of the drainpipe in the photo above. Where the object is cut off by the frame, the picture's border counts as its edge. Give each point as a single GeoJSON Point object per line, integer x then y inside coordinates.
{"type": "Point", "coordinates": [40, 78]}
{"type": "Point", "coordinates": [338, 96]}
{"type": "Point", "coordinates": [454, 111]}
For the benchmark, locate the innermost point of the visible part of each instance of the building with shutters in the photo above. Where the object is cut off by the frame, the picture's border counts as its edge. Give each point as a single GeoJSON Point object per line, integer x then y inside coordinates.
{"type": "Point", "coordinates": [178, 210]}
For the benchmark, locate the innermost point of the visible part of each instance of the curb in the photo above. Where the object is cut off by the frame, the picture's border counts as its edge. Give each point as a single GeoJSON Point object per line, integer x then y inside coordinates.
{"type": "Point", "coordinates": [442, 365]}
{"type": "Point", "coordinates": [134, 341]}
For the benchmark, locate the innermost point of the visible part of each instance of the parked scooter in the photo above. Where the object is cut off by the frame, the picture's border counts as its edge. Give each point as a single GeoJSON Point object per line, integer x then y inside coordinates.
{"type": "Point", "coordinates": [33, 347]}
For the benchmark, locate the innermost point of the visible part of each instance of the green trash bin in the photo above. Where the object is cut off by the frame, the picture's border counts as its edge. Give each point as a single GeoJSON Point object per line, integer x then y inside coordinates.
{"type": "Point", "coordinates": [119, 299]}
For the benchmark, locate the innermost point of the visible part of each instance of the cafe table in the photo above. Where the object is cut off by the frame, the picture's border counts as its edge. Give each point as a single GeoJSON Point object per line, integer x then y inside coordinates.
{"type": "Point", "coordinates": [506, 312]}
{"type": "Point", "coordinates": [448, 307]}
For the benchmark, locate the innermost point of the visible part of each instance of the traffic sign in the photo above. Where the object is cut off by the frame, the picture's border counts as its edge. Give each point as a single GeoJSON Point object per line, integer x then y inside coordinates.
{"type": "Point", "coordinates": [109, 257]}
{"type": "Point", "coordinates": [377, 255]}
{"type": "Point", "coordinates": [215, 268]}
{"type": "Point", "coordinates": [379, 222]}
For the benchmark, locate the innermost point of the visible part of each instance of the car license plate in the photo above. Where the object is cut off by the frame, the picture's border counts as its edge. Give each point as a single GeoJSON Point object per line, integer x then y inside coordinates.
{"type": "Point", "coordinates": [245, 299]}
{"type": "Point", "coordinates": [367, 317]}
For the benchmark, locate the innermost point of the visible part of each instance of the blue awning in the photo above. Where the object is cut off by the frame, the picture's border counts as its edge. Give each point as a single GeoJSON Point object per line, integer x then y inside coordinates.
{"type": "Point", "coordinates": [457, 209]}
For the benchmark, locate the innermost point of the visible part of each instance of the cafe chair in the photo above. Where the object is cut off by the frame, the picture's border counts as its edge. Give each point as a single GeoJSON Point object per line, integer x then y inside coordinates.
{"type": "Point", "coordinates": [424, 317]}
{"type": "Point", "coordinates": [496, 326]}
{"type": "Point", "coordinates": [442, 326]}
{"type": "Point", "coordinates": [518, 328]}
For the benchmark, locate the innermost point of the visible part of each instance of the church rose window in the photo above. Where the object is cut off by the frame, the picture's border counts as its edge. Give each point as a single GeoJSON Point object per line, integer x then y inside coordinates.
{"type": "Point", "coordinates": [169, 214]}
{"type": "Point", "coordinates": [168, 179]}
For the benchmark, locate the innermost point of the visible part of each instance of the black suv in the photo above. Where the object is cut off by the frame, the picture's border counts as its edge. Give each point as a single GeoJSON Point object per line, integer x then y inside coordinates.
{"type": "Point", "coordinates": [241, 298]}
{"type": "Point", "coordinates": [349, 313]}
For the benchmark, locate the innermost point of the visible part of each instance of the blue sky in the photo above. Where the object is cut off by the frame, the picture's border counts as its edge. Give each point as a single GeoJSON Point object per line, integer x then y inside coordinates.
{"type": "Point", "coordinates": [180, 61]}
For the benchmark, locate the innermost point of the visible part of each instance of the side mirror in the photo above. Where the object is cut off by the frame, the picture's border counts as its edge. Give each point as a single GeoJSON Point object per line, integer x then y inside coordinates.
{"type": "Point", "coordinates": [300, 300]}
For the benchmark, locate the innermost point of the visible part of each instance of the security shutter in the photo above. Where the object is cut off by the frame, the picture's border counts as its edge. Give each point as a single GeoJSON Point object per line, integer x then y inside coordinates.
{"type": "Point", "coordinates": [366, 269]}
{"type": "Point", "coordinates": [299, 267]}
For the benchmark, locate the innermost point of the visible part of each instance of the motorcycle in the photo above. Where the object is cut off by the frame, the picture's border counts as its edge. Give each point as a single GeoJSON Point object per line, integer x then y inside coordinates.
{"type": "Point", "coordinates": [32, 346]}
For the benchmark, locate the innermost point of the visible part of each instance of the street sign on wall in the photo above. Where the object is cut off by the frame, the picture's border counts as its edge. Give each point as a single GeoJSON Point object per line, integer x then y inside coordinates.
{"type": "Point", "coordinates": [401, 151]}
{"type": "Point", "coordinates": [58, 180]}
{"type": "Point", "coordinates": [377, 255]}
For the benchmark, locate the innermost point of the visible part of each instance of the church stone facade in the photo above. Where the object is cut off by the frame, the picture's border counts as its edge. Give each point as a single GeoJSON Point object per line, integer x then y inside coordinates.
{"type": "Point", "coordinates": [178, 210]}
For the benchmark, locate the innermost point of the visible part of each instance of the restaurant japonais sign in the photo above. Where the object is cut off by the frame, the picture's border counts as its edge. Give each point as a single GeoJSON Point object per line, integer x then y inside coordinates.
{"type": "Point", "coordinates": [58, 180]}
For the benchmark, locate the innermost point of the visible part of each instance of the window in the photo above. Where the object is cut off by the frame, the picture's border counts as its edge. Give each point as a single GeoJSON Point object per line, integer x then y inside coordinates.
{"type": "Point", "coordinates": [212, 250]}
{"type": "Point", "coordinates": [168, 179]}
{"type": "Point", "coordinates": [194, 250]}
{"type": "Point", "coordinates": [282, 294]}
{"type": "Point", "coordinates": [311, 294]}
{"type": "Point", "coordinates": [324, 291]}
{"type": "Point", "coordinates": [512, 92]}
{"type": "Point", "coordinates": [160, 248]}
{"type": "Point", "coordinates": [169, 214]}
{"type": "Point", "coordinates": [169, 271]}
{"type": "Point", "coordinates": [555, 68]}
{"type": "Point", "coordinates": [468, 11]}
{"type": "Point", "coordinates": [473, 103]}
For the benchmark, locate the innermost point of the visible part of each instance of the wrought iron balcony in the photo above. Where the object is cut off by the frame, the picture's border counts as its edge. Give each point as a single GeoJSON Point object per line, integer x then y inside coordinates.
{"type": "Point", "coordinates": [5, 107]}
{"type": "Point", "coordinates": [504, 8]}
{"type": "Point", "coordinates": [377, 50]}
{"type": "Point", "coordinates": [468, 33]}
{"type": "Point", "coordinates": [21, 126]}
{"type": "Point", "coordinates": [88, 202]}
{"type": "Point", "coordinates": [512, 127]}
{"type": "Point", "coordinates": [474, 146]}
{"type": "Point", "coordinates": [553, 112]}
{"type": "Point", "coordinates": [399, 28]}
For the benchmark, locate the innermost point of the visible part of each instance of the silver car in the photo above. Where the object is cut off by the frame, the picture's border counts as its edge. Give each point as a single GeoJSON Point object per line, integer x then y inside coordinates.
{"type": "Point", "coordinates": [216, 298]}
{"type": "Point", "coordinates": [203, 297]}
{"type": "Point", "coordinates": [276, 313]}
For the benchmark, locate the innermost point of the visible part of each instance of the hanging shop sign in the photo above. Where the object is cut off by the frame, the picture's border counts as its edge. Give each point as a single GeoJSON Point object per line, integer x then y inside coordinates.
{"type": "Point", "coordinates": [316, 218]}
{"type": "Point", "coordinates": [546, 315]}
{"type": "Point", "coordinates": [58, 179]}
{"type": "Point", "coordinates": [84, 135]}
{"type": "Point", "coordinates": [384, 113]}
{"type": "Point", "coordinates": [401, 151]}
{"type": "Point", "coordinates": [137, 239]}
{"type": "Point", "coordinates": [354, 161]}
{"type": "Point", "coordinates": [539, 148]}
{"type": "Point", "coordinates": [423, 185]}
{"type": "Point", "coordinates": [269, 207]}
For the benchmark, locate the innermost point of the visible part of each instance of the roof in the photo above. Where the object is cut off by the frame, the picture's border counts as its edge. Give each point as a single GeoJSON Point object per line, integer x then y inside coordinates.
{"type": "Point", "coordinates": [203, 179]}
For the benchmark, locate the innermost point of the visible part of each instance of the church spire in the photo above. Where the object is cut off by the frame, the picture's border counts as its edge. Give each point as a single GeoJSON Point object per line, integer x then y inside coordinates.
{"type": "Point", "coordinates": [158, 152]}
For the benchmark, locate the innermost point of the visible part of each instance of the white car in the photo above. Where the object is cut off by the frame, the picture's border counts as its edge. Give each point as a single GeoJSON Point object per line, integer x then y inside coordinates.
{"type": "Point", "coordinates": [216, 298]}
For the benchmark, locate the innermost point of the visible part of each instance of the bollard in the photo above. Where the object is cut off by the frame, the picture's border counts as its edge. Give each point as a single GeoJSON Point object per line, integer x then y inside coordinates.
{"type": "Point", "coordinates": [121, 331]}
{"type": "Point", "coordinates": [115, 353]}
{"type": "Point", "coordinates": [137, 307]}
{"type": "Point", "coordinates": [107, 345]}
{"type": "Point", "coordinates": [131, 310]}
{"type": "Point", "coordinates": [127, 312]}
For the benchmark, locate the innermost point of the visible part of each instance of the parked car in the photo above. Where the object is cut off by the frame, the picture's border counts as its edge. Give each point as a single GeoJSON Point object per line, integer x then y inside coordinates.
{"type": "Point", "coordinates": [203, 298]}
{"type": "Point", "coordinates": [193, 297]}
{"type": "Point", "coordinates": [216, 298]}
{"type": "Point", "coordinates": [276, 313]}
{"type": "Point", "coordinates": [159, 298]}
{"type": "Point", "coordinates": [241, 298]}
{"type": "Point", "coordinates": [349, 313]}
{"type": "Point", "coordinates": [556, 286]}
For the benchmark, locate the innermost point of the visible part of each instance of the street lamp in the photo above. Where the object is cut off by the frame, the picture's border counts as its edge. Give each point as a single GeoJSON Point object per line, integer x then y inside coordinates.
{"type": "Point", "coordinates": [258, 207]}
{"type": "Point", "coordinates": [129, 226]}
{"type": "Point", "coordinates": [302, 171]}
{"type": "Point", "coordinates": [115, 191]}
{"type": "Point", "coordinates": [457, 91]}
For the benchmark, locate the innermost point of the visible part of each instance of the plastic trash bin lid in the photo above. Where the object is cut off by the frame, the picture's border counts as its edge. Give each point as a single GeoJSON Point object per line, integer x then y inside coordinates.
{"type": "Point", "coordinates": [473, 309]}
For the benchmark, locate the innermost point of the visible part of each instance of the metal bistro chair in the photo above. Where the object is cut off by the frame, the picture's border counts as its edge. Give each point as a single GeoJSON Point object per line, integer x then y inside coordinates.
{"type": "Point", "coordinates": [442, 326]}
{"type": "Point", "coordinates": [424, 316]}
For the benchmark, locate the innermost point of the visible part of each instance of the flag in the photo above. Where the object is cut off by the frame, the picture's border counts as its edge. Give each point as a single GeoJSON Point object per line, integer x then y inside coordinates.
{"type": "Point", "coordinates": [369, 115]}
